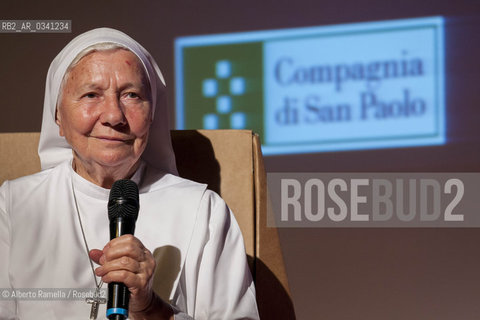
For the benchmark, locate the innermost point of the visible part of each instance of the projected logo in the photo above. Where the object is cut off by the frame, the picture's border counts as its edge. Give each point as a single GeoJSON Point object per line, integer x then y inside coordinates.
{"type": "Point", "coordinates": [222, 87]}
{"type": "Point", "coordinates": [368, 85]}
{"type": "Point", "coordinates": [223, 91]}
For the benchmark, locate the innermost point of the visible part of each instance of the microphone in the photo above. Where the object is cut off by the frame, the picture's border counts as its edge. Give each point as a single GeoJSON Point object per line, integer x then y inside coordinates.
{"type": "Point", "coordinates": [123, 205]}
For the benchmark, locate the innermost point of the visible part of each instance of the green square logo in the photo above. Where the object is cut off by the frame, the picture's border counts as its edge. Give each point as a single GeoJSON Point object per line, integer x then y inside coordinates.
{"type": "Point", "coordinates": [222, 87]}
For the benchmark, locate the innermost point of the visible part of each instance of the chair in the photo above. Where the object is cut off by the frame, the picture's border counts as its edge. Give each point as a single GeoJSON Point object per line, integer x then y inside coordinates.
{"type": "Point", "coordinates": [231, 163]}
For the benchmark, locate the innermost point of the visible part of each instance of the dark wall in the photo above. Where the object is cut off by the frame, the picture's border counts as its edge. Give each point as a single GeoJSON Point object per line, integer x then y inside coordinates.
{"type": "Point", "coordinates": [334, 273]}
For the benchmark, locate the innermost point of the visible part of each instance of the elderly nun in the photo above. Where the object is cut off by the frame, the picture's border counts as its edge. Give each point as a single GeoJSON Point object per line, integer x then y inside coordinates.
{"type": "Point", "coordinates": [105, 119]}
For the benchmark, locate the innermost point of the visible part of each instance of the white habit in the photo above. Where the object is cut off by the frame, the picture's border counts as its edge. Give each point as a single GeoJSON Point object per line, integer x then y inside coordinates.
{"type": "Point", "coordinates": [189, 229]}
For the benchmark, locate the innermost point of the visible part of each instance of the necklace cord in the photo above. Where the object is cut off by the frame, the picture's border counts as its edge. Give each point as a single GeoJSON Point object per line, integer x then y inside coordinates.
{"type": "Point", "coordinates": [97, 284]}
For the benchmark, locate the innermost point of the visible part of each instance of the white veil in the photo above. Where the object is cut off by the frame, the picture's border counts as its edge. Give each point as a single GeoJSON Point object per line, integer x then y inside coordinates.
{"type": "Point", "coordinates": [54, 149]}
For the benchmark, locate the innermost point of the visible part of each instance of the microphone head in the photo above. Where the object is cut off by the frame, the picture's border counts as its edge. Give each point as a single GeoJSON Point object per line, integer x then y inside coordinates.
{"type": "Point", "coordinates": [123, 201]}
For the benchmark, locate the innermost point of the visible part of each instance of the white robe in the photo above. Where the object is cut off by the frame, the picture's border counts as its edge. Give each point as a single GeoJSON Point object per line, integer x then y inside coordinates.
{"type": "Point", "coordinates": [201, 262]}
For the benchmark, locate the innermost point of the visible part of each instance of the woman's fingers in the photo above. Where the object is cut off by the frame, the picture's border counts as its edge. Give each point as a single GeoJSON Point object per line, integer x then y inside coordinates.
{"type": "Point", "coordinates": [122, 263]}
{"type": "Point", "coordinates": [133, 281]}
{"type": "Point", "coordinates": [126, 245]}
{"type": "Point", "coordinates": [95, 255]}
{"type": "Point", "coordinates": [125, 259]}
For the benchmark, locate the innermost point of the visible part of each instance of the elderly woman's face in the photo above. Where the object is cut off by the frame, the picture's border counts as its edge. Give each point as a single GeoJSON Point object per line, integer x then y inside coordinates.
{"type": "Point", "coordinates": [105, 109]}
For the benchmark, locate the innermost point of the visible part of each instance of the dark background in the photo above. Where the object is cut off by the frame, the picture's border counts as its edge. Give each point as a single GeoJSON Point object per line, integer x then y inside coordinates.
{"type": "Point", "coordinates": [333, 273]}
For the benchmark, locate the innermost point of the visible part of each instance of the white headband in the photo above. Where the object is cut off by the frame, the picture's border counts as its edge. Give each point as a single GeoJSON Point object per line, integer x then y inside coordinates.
{"type": "Point", "coordinates": [54, 149]}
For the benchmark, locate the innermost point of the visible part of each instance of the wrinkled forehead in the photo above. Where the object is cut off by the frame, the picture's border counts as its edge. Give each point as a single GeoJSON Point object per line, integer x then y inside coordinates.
{"type": "Point", "coordinates": [105, 47]}
{"type": "Point", "coordinates": [93, 62]}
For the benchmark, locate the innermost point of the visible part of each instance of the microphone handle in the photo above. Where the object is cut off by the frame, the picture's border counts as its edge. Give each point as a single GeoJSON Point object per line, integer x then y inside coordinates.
{"type": "Point", "coordinates": [118, 294]}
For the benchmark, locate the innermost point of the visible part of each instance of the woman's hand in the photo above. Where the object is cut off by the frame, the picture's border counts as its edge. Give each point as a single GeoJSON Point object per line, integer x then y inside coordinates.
{"type": "Point", "coordinates": [125, 259]}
